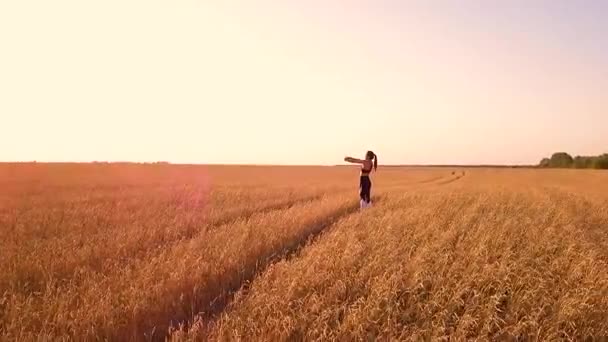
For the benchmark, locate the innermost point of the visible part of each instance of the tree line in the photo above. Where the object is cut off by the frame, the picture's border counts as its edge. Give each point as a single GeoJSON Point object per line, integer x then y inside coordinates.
{"type": "Point", "coordinates": [564, 160]}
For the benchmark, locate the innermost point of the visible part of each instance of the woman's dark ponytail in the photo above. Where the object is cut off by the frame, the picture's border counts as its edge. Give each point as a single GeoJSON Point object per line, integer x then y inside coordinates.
{"type": "Point", "coordinates": [375, 162]}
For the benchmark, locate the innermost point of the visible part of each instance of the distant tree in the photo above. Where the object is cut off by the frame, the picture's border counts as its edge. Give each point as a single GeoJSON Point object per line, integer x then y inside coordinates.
{"type": "Point", "coordinates": [583, 162]}
{"type": "Point", "coordinates": [546, 162]}
{"type": "Point", "coordinates": [601, 162]}
{"type": "Point", "coordinates": [561, 159]}
{"type": "Point", "coordinates": [564, 160]}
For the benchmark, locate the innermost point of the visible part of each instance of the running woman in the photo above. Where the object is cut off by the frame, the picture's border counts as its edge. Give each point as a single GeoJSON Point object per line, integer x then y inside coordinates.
{"type": "Point", "coordinates": [365, 184]}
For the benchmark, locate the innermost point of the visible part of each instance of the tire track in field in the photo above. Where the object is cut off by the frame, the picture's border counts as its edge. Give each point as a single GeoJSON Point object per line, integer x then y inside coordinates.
{"type": "Point", "coordinates": [229, 219]}
{"type": "Point", "coordinates": [197, 293]}
{"type": "Point", "coordinates": [429, 183]}
{"type": "Point", "coordinates": [442, 180]}
{"type": "Point", "coordinates": [245, 214]}
{"type": "Point", "coordinates": [450, 180]}
{"type": "Point", "coordinates": [431, 180]}
{"type": "Point", "coordinates": [289, 250]}
{"type": "Point", "coordinates": [131, 254]}
{"type": "Point", "coordinates": [418, 182]}
{"type": "Point", "coordinates": [155, 323]}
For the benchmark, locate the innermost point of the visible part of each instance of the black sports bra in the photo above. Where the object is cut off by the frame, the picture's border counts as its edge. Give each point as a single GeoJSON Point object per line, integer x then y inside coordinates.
{"type": "Point", "coordinates": [363, 170]}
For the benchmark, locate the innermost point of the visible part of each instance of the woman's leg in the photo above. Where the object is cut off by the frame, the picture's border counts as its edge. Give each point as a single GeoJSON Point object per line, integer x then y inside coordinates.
{"type": "Point", "coordinates": [362, 192]}
{"type": "Point", "coordinates": [365, 190]}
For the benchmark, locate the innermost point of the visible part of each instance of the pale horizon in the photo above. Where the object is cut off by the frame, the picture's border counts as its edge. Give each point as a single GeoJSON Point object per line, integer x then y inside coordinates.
{"type": "Point", "coordinates": [292, 83]}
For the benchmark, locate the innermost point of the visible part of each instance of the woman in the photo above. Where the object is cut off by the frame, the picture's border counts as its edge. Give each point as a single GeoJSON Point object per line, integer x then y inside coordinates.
{"type": "Point", "coordinates": [365, 184]}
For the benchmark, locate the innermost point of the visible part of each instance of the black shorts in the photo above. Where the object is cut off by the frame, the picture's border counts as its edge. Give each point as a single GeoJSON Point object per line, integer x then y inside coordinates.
{"type": "Point", "coordinates": [365, 188]}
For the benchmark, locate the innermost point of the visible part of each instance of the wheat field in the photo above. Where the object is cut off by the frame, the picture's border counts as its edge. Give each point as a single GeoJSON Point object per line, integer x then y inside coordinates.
{"type": "Point", "coordinates": [133, 252]}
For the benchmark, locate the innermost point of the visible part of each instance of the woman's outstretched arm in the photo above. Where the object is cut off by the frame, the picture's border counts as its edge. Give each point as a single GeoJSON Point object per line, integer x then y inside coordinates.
{"type": "Point", "coordinates": [354, 160]}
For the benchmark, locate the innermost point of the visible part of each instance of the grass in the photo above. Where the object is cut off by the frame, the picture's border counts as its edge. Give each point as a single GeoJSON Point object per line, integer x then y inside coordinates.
{"type": "Point", "coordinates": [154, 252]}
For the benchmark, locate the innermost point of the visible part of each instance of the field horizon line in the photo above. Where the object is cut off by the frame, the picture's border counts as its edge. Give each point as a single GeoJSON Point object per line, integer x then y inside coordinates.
{"type": "Point", "coordinates": [521, 166]}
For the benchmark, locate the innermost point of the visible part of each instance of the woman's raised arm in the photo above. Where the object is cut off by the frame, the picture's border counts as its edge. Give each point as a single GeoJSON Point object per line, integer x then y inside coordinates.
{"type": "Point", "coordinates": [354, 160]}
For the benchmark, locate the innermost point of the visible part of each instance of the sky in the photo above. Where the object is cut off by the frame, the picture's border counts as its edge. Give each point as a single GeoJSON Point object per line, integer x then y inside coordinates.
{"type": "Point", "coordinates": [302, 82]}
